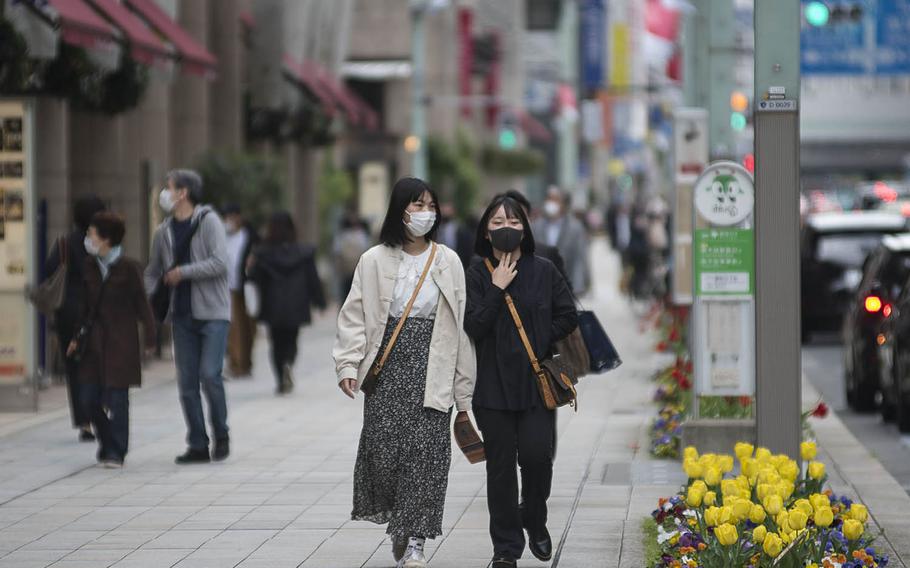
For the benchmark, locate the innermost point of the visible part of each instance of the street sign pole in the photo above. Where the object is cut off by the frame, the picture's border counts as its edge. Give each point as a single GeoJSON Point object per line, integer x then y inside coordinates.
{"type": "Point", "coordinates": [777, 322]}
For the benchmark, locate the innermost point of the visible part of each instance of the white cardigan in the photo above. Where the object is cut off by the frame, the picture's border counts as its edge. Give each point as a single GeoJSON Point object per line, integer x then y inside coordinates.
{"type": "Point", "coordinates": [452, 366]}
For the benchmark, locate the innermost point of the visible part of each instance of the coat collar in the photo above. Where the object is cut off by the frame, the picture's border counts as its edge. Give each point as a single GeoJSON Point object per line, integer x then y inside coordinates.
{"type": "Point", "coordinates": [393, 258]}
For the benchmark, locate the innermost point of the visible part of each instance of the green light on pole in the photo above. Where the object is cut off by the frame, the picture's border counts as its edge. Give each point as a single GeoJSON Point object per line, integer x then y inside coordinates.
{"type": "Point", "coordinates": [817, 14]}
{"type": "Point", "coordinates": [738, 121]}
{"type": "Point", "coordinates": [507, 139]}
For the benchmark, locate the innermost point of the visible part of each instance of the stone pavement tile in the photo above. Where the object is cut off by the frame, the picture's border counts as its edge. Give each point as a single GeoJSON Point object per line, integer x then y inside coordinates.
{"type": "Point", "coordinates": [109, 555]}
{"type": "Point", "coordinates": [270, 517]}
{"type": "Point", "coordinates": [64, 540]}
{"type": "Point", "coordinates": [31, 558]}
{"type": "Point", "coordinates": [123, 539]}
{"type": "Point", "coordinates": [180, 538]}
{"type": "Point", "coordinates": [163, 517]}
{"type": "Point", "coordinates": [238, 541]}
{"type": "Point", "coordinates": [323, 517]}
{"type": "Point", "coordinates": [216, 517]}
{"type": "Point", "coordinates": [153, 558]}
{"type": "Point", "coordinates": [108, 518]}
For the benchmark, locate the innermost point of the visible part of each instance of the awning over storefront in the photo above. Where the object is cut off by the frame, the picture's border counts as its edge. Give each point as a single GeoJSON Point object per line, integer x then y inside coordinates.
{"type": "Point", "coordinates": [194, 57]}
{"type": "Point", "coordinates": [340, 93]}
{"type": "Point", "coordinates": [299, 73]}
{"type": "Point", "coordinates": [145, 47]}
{"type": "Point", "coordinates": [78, 23]}
{"type": "Point", "coordinates": [535, 129]}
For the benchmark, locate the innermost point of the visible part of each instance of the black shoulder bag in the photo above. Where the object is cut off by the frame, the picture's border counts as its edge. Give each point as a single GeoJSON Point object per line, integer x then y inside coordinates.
{"type": "Point", "coordinates": [81, 338]}
{"type": "Point", "coordinates": [161, 297]}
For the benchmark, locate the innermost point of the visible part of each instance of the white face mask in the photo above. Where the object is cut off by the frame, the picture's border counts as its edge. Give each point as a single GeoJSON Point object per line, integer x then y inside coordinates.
{"type": "Point", "coordinates": [551, 209]}
{"type": "Point", "coordinates": [231, 227]}
{"type": "Point", "coordinates": [421, 222]}
{"type": "Point", "coordinates": [90, 246]}
{"type": "Point", "coordinates": [166, 200]}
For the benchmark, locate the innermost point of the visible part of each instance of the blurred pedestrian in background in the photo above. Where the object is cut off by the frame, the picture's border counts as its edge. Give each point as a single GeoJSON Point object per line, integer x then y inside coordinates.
{"type": "Point", "coordinates": [454, 234]}
{"type": "Point", "coordinates": [285, 273]}
{"type": "Point", "coordinates": [241, 238]}
{"type": "Point", "coordinates": [558, 228]}
{"type": "Point", "coordinates": [404, 455]}
{"type": "Point", "coordinates": [550, 253]}
{"type": "Point", "coordinates": [189, 255]}
{"type": "Point", "coordinates": [517, 427]}
{"type": "Point", "coordinates": [108, 346]}
{"type": "Point", "coordinates": [351, 240]}
{"type": "Point", "coordinates": [71, 250]}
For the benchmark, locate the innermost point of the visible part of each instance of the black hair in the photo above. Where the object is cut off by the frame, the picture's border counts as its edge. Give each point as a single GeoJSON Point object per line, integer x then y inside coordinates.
{"type": "Point", "coordinates": [520, 198]}
{"type": "Point", "coordinates": [482, 246]}
{"type": "Point", "coordinates": [280, 229]}
{"type": "Point", "coordinates": [110, 226]}
{"type": "Point", "coordinates": [189, 180]}
{"type": "Point", "coordinates": [406, 191]}
{"type": "Point", "coordinates": [84, 209]}
{"type": "Point", "coordinates": [230, 209]}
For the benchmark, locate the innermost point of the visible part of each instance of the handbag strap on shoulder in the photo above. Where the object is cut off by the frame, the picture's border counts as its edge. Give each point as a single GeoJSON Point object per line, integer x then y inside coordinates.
{"type": "Point", "coordinates": [535, 364]}
{"type": "Point", "coordinates": [407, 311]}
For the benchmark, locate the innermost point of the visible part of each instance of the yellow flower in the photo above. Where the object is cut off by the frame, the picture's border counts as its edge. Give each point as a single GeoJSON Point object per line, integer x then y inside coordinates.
{"type": "Point", "coordinates": [820, 501]}
{"type": "Point", "coordinates": [762, 454]}
{"type": "Point", "coordinates": [693, 469]}
{"type": "Point", "coordinates": [690, 453]}
{"type": "Point", "coordinates": [808, 451]}
{"type": "Point", "coordinates": [729, 488]}
{"type": "Point", "coordinates": [700, 485]}
{"type": "Point", "coordinates": [789, 471]}
{"type": "Point", "coordinates": [805, 506]}
{"type": "Point", "coordinates": [816, 470]}
{"type": "Point", "coordinates": [772, 545]}
{"type": "Point", "coordinates": [725, 515]}
{"type": "Point", "coordinates": [726, 534]}
{"type": "Point", "coordinates": [742, 509]}
{"type": "Point", "coordinates": [824, 516]}
{"type": "Point", "coordinates": [798, 519]}
{"type": "Point", "coordinates": [783, 522]}
{"type": "Point", "coordinates": [787, 536]}
{"type": "Point", "coordinates": [750, 468]}
{"type": "Point", "coordinates": [745, 487]}
{"type": "Point", "coordinates": [763, 490]}
{"type": "Point", "coordinates": [859, 512]}
{"type": "Point", "coordinates": [713, 476]}
{"type": "Point", "coordinates": [711, 516]}
{"type": "Point", "coordinates": [759, 534]}
{"type": "Point", "coordinates": [743, 450]}
{"type": "Point", "coordinates": [812, 565]}
{"type": "Point", "coordinates": [853, 529]}
{"type": "Point", "coordinates": [694, 497]}
{"type": "Point", "coordinates": [757, 514]}
{"type": "Point", "coordinates": [785, 489]}
{"type": "Point", "coordinates": [725, 463]}
{"type": "Point", "coordinates": [773, 504]}
{"type": "Point", "coordinates": [710, 499]}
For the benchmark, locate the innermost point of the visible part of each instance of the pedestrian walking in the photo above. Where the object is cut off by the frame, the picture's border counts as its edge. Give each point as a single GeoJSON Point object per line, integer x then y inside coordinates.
{"type": "Point", "coordinates": [70, 249]}
{"type": "Point", "coordinates": [285, 273]}
{"type": "Point", "coordinates": [241, 239]}
{"type": "Point", "coordinates": [557, 228]}
{"type": "Point", "coordinates": [351, 241]}
{"type": "Point", "coordinates": [403, 320]}
{"type": "Point", "coordinates": [516, 426]}
{"type": "Point", "coordinates": [550, 253]}
{"type": "Point", "coordinates": [107, 346]}
{"type": "Point", "coordinates": [189, 257]}
{"type": "Point", "coordinates": [454, 234]}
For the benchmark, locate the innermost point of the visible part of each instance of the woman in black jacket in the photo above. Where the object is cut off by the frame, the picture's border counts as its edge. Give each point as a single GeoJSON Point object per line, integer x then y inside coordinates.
{"type": "Point", "coordinates": [507, 405]}
{"type": "Point", "coordinates": [285, 273]}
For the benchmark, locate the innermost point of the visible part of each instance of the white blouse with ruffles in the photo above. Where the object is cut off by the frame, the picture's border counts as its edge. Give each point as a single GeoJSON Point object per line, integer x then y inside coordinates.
{"type": "Point", "coordinates": [409, 272]}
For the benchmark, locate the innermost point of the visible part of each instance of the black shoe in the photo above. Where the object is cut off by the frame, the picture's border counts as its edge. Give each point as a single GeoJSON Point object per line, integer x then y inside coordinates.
{"type": "Point", "coordinates": [539, 542]}
{"type": "Point", "coordinates": [193, 456]}
{"type": "Point", "coordinates": [222, 450]}
{"type": "Point", "coordinates": [502, 563]}
{"type": "Point", "coordinates": [85, 434]}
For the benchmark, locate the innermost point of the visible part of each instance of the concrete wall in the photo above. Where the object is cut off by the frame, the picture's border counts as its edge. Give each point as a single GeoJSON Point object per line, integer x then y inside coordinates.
{"type": "Point", "coordinates": [226, 91]}
{"type": "Point", "coordinates": [190, 95]}
{"type": "Point", "coordinates": [52, 168]}
{"type": "Point", "coordinates": [375, 19]}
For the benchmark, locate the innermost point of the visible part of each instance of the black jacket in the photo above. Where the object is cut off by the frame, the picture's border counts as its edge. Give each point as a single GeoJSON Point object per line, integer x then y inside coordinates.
{"type": "Point", "coordinates": [505, 379]}
{"type": "Point", "coordinates": [288, 284]}
{"type": "Point", "coordinates": [69, 316]}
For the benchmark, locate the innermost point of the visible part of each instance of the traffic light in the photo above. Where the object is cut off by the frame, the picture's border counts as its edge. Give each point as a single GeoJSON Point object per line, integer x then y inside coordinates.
{"type": "Point", "coordinates": [739, 104]}
{"type": "Point", "coordinates": [738, 121]}
{"type": "Point", "coordinates": [817, 13]}
{"type": "Point", "coordinates": [820, 13]}
{"type": "Point", "coordinates": [508, 135]}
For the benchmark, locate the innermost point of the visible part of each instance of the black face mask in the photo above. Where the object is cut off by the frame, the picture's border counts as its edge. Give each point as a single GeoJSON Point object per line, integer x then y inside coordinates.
{"type": "Point", "coordinates": [506, 239]}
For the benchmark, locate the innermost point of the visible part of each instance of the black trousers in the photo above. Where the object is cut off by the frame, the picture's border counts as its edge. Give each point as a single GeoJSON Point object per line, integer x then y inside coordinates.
{"type": "Point", "coordinates": [109, 409]}
{"type": "Point", "coordinates": [527, 438]}
{"type": "Point", "coordinates": [78, 411]}
{"type": "Point", "coordinates": [284, 347]}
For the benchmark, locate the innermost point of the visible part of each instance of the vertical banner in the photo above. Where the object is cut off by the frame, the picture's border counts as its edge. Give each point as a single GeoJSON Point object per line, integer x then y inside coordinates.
{"type": "Point", "coordinates": [690, 157]}
{"type": "Point", "coordinates": [465, 56]}
{"type": "Point", "coordinates": [620, 57]}
{"type": "Point", "coordinates": [17, 258]}
{"type": "Point", "coordinates": [593, 44]}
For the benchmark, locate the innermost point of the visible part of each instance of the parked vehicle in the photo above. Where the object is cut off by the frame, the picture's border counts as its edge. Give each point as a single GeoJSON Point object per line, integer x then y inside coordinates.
{"type": "Point", "coordinates": [834, 247]}
{"type": "Point", "coordinates": [885, 272]}
{"type": "Point", "coordinates": [894, 356]}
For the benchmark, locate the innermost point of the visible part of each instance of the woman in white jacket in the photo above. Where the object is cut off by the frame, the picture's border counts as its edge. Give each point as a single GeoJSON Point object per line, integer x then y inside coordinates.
{"type": "Point", "coordinates": [405, 445]}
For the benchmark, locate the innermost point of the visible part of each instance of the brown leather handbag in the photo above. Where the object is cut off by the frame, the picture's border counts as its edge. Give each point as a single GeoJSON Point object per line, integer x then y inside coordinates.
{"type": "Point", "coordinates": [556, 376]}
{"type": "Point", "coordinates": [468, 439]}
{"type": "Point", "coordinates": [368, 386]}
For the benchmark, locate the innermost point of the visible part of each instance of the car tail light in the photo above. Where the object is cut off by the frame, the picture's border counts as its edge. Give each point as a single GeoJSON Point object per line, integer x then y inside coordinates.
{"type": "Point", "coordinates": [873, 304]}
{"type": "Point", "coordinates": [881, 339]}
{"type": "Point", "coordinates": [886, 311]}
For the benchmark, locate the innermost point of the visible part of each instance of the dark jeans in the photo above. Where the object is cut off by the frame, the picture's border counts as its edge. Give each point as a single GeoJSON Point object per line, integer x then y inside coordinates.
{"type": "Point", "coordinates": [77, 411]}
{"type": "Point", "coordinates": [109, 409]}
{"type": "Point", "coordinates": [284, 347]}
{"type": "Point", "coordinates": [199, 348]}
{"type": "Point", "coordinates": [527, 437]}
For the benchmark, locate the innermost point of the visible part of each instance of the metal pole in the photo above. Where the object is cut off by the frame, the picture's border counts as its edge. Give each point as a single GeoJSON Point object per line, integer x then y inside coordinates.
{"type": "Point", "coordinates": [568, 140]}
{"type": "Point", "coordinates": [418, 66]}
{"type": "Point", "coordinates": [777, 322]}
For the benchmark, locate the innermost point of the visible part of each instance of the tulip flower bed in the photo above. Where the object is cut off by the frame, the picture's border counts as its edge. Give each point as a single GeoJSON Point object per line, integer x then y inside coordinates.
{"type": "Point", "coordinates": [765, 513]}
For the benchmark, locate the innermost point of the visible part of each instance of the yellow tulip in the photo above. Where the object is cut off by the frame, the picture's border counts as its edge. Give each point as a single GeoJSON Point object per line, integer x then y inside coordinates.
{"type": "Point", "coordinates": [787, 536]}
{"type": "Point", "coordinates": [762, 454]}
{"type": "Point", "coordinates": [693, 469]}
{"type": "Point", "coordinates": [816, 470]}
{"type": "Point", "coordinates": [853, 529]}
{"type": "Point", "coordinates": [700, 485]}
{"type": "Point", "coordinates": [745, 487]}
{"type": "Point", "coordinates": [763, 490]}
{"type": "Point", "coordinates": [725, 463]}
{"type": "Point", "coordinates": [783, 522]}
{"type": "Point", "coordinates": [729, 487]}
{"type": "Point", "coordinates": [742, 509]}
{"type": "Point", "coordinates": [757, 514]}
{"type": "Point", "coordinates": [808, 451]}
{"type": "Point", "coordinates": [759, 534]}
{"type": "Point", "coordinates": [798, 519]}
{"type": "Point", "coordinates": [710, 499]}
{"type": "Point", "coordinates": [750, 468]}
{"type": "Point", "coordinates": [725, 515]}
{"type": "Point", "coordinates": [694, 497]}
{"type": "Point", "coordinates": [726, 534]}
{"type": "Point", "coordinates": [690, 453]}
{"type": "Point", "coordinates": [824, 517]}
{"type": "Point", "coordinates": [820, 501]}
{"type": "Point", "coordinates": [743, 450]}
{"type": "Point", "coordinates": [805, 506]}
{"type": "Point", "coordinates": [713, 476]}
{"type": "Point", "coordinates": [772, 545]}
{"type": "Point", "coordinates": [773, 504]}
{"type": "Point", "coordinates": [711, 516]}
{"type": "Point", "coordinates": [785, 489]}
{"type": "Point", "coordinates": [859, 512]}
{"type": "Point", "coordinates": [789, 471]}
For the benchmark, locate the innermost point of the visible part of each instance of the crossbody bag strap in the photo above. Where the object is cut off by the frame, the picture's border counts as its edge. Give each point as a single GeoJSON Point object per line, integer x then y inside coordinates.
{"type": "Point", "coordinates": [535, 364]}
{"type": "Point", "coordinates": [407, 310]}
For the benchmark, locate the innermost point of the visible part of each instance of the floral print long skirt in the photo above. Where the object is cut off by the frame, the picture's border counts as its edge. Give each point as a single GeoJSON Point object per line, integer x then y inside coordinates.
{"type": "Point", "coordinates": [403, 460]}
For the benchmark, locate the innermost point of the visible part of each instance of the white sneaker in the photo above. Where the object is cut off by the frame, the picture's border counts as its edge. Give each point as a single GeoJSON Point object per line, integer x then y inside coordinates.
{"type": "Point", "coordinates": [413, 558]}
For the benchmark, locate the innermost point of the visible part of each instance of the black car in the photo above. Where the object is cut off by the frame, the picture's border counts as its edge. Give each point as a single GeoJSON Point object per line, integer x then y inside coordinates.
{"type": "Point", "coordinates": [885, 272]}
{"type": "Point", "coordinates": [834, 247]}
{"type": "Point", "coordinates": [894, 354]}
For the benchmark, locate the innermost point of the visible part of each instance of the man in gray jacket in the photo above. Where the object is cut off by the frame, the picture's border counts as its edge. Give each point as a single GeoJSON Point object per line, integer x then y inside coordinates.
{"type": "Point", "coordinates": [559, 228]}
{"type": "Point", "coordinates": [200, 308]}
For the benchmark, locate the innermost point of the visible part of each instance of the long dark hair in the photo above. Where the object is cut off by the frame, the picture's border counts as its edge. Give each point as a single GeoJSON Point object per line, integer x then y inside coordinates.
{"type": "Point", "coordinates": [482, 246]}
{"type": "Point", "coordinates": [406, 191]}
{"type": "Point", "coordinates": [280, 229]}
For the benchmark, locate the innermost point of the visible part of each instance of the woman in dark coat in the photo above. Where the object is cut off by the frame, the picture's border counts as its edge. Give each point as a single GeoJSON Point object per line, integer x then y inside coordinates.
{"type": "Point", "coordinates": [285, 273]}
{"type": "Point", "coordinates": [67, 318]}
{"type": "Point", "coordinates": [115, 301]}
{"type": "Point", "coordinates": [507, 404]}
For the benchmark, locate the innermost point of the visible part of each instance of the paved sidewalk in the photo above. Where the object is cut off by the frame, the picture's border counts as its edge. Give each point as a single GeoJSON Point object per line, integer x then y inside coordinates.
{"type": "Point", "coordinates": [283, 499]}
